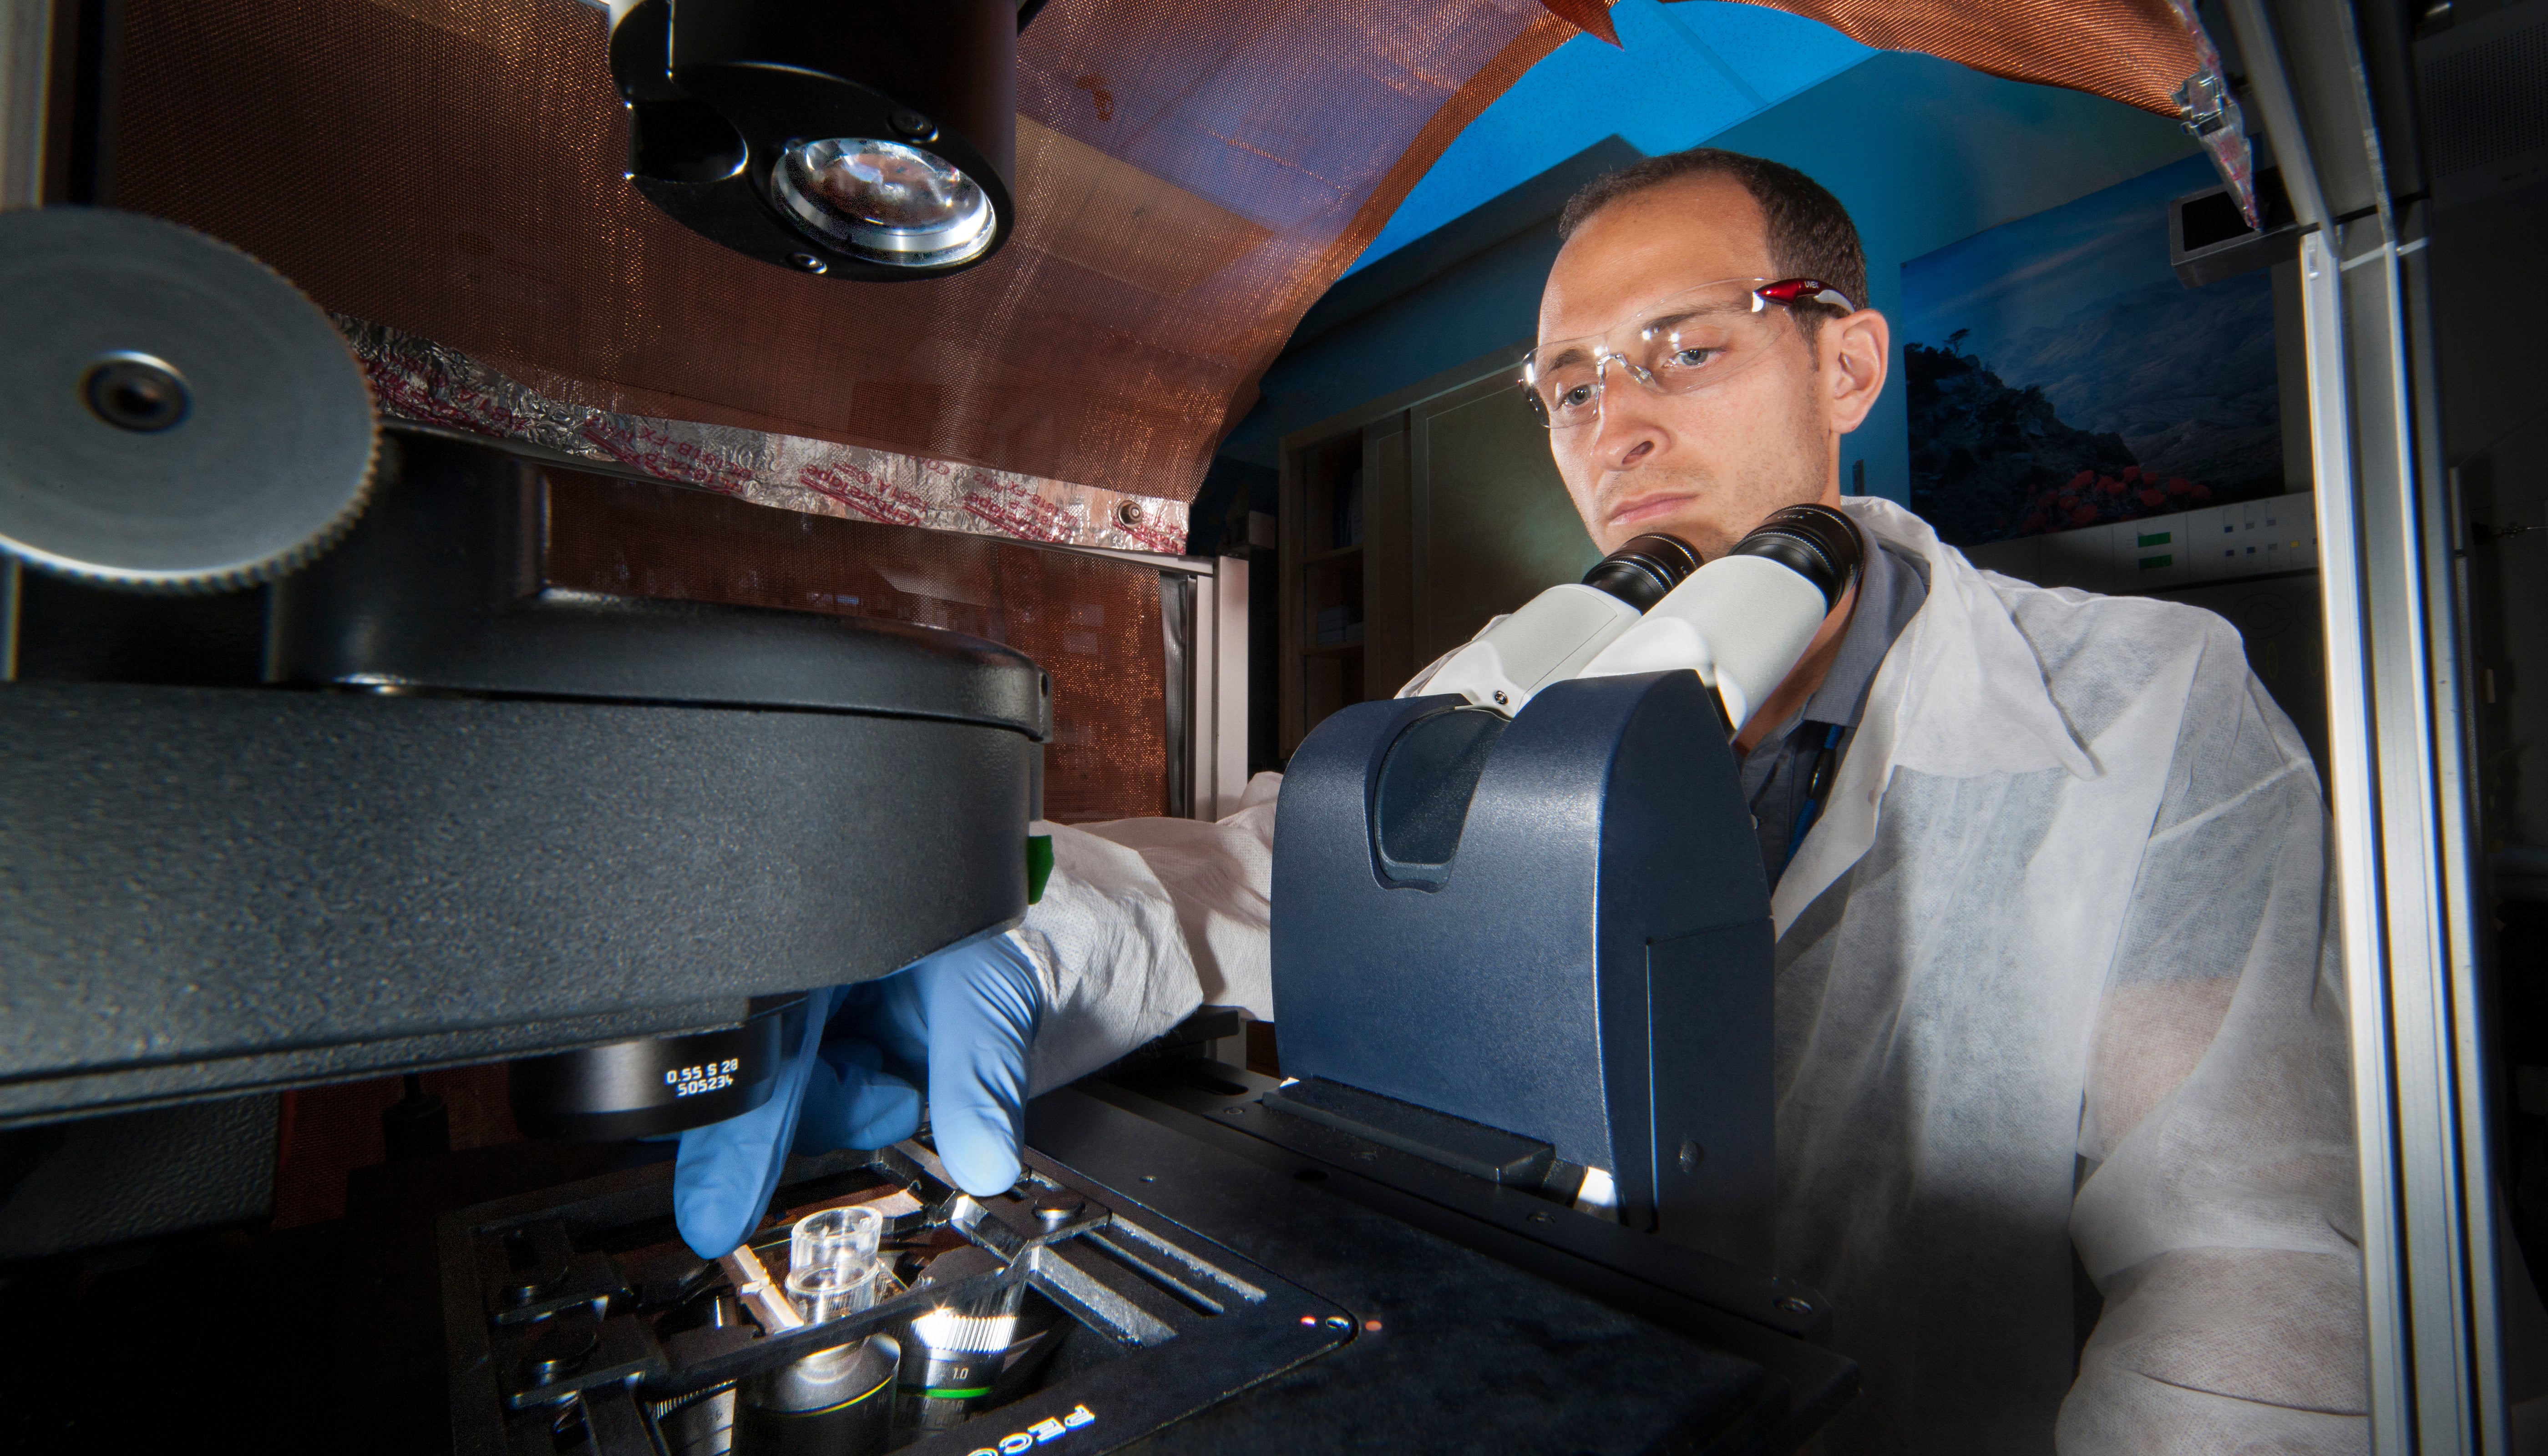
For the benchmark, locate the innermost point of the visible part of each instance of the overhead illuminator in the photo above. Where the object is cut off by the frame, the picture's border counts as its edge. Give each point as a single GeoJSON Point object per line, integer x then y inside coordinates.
{"type": "Point", "coordinates": [850, 139]}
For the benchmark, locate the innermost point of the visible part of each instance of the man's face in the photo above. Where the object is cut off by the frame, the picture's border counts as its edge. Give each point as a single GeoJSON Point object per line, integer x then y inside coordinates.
{"type": "Point", "coordinates": [1705, 467]}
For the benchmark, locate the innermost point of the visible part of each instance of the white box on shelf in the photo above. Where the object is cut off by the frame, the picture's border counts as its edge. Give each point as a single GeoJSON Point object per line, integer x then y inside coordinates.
{"type": "Point", "coordinates": [2154, 553]}
{"type": "Point", "coordinates": [2021, 557]}
{"type": "Point", "coordinates": [2217, 529]}
{"type": "Point", "coordinates": [2288, 526]}
{"type": "Point", "coordinates": [2082, 557]}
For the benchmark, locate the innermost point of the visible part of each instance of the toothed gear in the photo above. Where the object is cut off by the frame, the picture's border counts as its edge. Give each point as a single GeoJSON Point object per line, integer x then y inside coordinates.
{"type": "Point", "coordinates": [174, 417]}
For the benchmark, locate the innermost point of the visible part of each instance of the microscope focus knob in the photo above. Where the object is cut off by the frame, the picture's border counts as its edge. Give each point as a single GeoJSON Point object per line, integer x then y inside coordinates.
{"type": "Point", "coordinates": [174, 417]}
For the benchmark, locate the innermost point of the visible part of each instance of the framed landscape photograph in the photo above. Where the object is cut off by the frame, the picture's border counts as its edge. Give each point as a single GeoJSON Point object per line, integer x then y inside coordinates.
{"type": "Point", "coordinates": [2060, 376]}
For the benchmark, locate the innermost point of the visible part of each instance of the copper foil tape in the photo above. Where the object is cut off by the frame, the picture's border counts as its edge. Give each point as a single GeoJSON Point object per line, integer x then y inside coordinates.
{"type": "Point", "coordinates": [416, 378]}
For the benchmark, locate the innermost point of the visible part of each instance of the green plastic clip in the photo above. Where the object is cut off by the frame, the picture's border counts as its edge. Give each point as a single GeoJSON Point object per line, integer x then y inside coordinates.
{"type": "Point", "coordinates": [1039, 864]}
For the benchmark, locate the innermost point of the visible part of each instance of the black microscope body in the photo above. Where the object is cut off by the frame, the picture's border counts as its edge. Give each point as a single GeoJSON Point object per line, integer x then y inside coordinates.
{"type": "Point", "coordinates": [1513, 1190]}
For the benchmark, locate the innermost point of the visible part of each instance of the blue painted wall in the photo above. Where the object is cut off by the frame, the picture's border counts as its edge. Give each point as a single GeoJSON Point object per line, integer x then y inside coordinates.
{"type": "Point", "coordinates": [1679, 73]}
{"type": "Point", "coordinates": [1921, 151]}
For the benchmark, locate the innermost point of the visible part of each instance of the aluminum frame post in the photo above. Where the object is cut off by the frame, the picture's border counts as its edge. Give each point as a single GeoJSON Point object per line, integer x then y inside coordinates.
{"type": "Point", "coordinates": [26, 70]}
{"type": "Point", "coordinates": [2400, 750]}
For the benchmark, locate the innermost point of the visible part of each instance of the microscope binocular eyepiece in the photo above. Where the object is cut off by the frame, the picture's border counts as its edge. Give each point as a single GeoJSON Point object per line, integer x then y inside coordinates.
{"type": "Point", "coordinates": [1562, 628]}
{"type": "Point", "coordinates": [1815, 542]}
{"type": "Point", "coordinates": [1742, 620]}
{"type": "Point", "coordinates": [1643, 572]}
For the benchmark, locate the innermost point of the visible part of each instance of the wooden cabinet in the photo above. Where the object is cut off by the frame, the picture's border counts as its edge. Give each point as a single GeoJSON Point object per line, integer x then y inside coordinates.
{"type": "Point", "coordinates": [1406, 526]}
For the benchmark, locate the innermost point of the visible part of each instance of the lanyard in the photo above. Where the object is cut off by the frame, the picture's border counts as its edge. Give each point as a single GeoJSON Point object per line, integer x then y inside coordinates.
{"type": "Point", "coordinates": [1819, 785]}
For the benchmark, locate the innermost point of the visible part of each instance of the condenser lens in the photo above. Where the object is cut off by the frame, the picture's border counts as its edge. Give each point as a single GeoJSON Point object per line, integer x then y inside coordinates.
{"type": "Point", "coordinates": [884, 201]}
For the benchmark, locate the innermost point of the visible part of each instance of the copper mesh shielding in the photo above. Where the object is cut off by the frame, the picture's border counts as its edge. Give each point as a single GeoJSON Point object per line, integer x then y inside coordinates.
{"type": "Point", "coordinates": [1192, 174]}
{"type": "Point", "coordinates": [1090, 622]}
{"type": "Point", "coordinates": [2134, 51]}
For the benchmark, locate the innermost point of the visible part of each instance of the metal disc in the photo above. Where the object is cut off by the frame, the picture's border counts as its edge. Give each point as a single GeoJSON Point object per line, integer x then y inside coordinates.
{"type": "Point", "coordinates": [173, 414]}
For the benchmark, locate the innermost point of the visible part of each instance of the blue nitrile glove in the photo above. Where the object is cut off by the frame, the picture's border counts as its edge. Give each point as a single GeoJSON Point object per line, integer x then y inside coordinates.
{"type": "Point", "coordinates": [961, 1020]}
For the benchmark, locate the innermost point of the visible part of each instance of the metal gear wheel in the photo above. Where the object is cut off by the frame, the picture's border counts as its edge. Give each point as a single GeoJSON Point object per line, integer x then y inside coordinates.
{"type": "Point", "coordinates": [174, 417]}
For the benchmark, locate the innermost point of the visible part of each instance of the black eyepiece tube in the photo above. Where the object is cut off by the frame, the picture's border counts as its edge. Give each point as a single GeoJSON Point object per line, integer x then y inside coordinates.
{"type": "Point", "coordinates": [1815, 542]}
{"type": "Point", "coordinates": [1643, 570]}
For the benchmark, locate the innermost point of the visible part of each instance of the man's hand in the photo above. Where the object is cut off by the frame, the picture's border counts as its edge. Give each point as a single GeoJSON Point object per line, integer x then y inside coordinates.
{"type": "Point", "coordinates": [960, 1021]}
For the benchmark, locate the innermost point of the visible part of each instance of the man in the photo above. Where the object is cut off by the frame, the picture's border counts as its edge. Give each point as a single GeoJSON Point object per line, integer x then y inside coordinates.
{"type": "Point", "coordinates": [2049, 963]}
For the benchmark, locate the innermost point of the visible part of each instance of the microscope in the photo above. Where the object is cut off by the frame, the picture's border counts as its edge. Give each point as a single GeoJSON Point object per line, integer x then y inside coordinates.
{"type": "Point", "coordinates": [316, 772]}
{"type": "Point", "coordinates": [315, 766]}
{"type": "Point", "coordinates": [400, 801]}
{"type": "Point", "coordinates": [1515, 1187]}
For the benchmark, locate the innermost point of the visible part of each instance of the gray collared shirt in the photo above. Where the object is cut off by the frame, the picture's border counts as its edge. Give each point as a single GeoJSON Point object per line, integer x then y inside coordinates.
{"type": "Point", "coordinates": [1778, 775]}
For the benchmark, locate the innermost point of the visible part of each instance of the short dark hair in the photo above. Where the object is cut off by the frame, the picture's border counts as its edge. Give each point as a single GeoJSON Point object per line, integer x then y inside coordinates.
{"type": "Point", "coordinates": [1810, 234]}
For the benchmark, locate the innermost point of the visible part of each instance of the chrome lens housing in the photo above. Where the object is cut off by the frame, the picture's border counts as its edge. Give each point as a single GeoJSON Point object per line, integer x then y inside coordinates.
{"type": "Point", "coordinates": [885, 202]}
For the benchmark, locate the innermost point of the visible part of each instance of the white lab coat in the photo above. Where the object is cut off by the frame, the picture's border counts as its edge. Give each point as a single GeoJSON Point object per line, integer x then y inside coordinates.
{"type": "Point", "coordinates": [2055, 969]}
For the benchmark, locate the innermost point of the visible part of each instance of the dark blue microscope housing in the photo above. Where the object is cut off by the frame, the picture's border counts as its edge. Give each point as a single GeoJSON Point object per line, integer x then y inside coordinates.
{"type": "Point", "coordinates": [1555, 926]}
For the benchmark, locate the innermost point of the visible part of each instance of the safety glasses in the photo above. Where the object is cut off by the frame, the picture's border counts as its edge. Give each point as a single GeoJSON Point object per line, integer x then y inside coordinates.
{"type": "Point", "coordinates": [1678, 345]}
